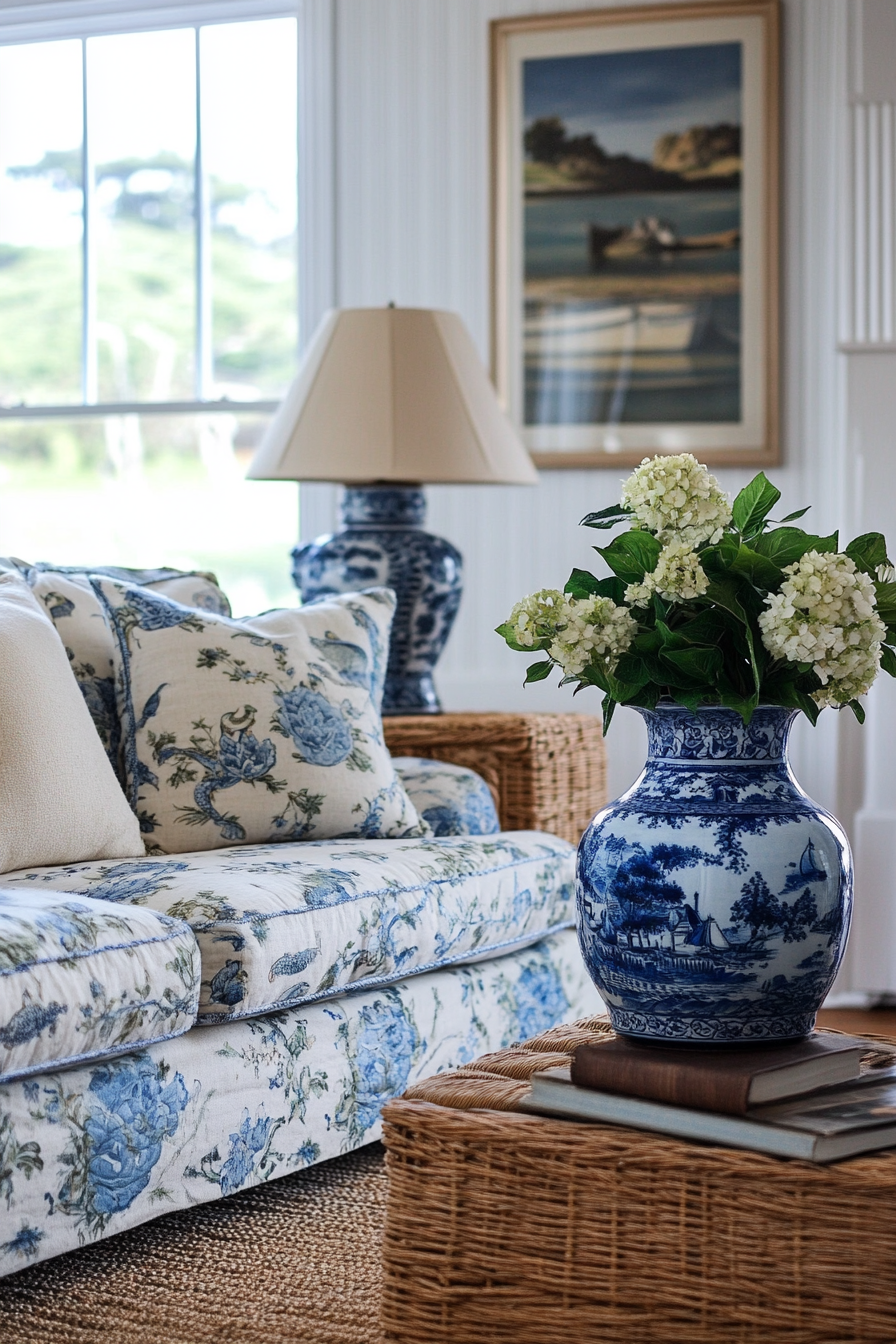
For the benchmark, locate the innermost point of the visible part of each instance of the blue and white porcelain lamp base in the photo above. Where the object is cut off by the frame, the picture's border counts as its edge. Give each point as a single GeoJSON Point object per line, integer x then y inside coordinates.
{"type": "Point", "coordinates": [382, 543]}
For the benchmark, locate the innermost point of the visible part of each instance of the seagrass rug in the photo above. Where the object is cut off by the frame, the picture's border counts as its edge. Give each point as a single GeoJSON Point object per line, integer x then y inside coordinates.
{"type": "Point", "coordinates": [296, 1261]}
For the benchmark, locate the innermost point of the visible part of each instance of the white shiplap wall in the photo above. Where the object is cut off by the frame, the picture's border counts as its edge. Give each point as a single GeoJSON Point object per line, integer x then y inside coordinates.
{"type": "Point", "coordinates": [401, 213]}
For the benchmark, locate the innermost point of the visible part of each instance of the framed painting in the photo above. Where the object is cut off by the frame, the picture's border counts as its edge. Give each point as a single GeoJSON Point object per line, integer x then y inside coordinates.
{"type": "Point", "coordinates": [635, 232]}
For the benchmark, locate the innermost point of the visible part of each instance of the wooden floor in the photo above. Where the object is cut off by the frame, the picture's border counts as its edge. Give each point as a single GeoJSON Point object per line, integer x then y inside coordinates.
{"type": "Point", "coordinates": [880, 1021]}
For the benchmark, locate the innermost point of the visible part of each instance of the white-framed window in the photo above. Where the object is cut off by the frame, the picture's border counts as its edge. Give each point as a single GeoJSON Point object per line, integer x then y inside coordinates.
{"type": "Point", "coordinates": [148, 285]}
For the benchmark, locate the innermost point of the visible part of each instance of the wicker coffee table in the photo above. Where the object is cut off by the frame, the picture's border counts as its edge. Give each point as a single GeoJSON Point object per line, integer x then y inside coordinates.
{"type": "Point", "coordinates": [506, 1228]}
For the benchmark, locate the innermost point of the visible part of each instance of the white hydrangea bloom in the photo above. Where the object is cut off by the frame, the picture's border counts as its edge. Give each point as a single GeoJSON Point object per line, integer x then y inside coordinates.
{"type": "Point", "coordinates": [677, 498]}
{"type": "Point", "coordinates": [591, 630]}
{"type": "Point", "coordinates": [678, 576]}
{"type": "Point", "coordinates": [825, 615]}
{"type": "Point", "coordinates": [535, 618]}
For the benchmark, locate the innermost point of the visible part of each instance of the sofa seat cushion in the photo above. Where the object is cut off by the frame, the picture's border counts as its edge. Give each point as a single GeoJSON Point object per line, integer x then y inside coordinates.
{"type": "Point", "coordinates": [81, 979]}
{"type": "Point", "coordinates": [453, 799]}
{"type": "Point", "coordinates": [289, 923]}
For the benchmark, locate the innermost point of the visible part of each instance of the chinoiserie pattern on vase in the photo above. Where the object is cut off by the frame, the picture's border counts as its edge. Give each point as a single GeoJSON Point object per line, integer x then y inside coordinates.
{"type": "Point", "coordinates": [288, 923]}
{"type": "Point", "coordinates": [714, 896]}
{"type": "Point", "coordinates": [383, 542]}
{"type": "Point", "coordinates": [94, 1150]}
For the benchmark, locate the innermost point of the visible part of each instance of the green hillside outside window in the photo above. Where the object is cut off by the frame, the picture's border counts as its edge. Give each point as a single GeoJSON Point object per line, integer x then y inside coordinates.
{"type": "Point", "coordinates": [148, 296]}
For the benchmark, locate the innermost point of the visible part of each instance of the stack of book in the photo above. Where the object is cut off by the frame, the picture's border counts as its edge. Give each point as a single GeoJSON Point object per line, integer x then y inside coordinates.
{"type": "Point", "coordinates": [813, 1099]}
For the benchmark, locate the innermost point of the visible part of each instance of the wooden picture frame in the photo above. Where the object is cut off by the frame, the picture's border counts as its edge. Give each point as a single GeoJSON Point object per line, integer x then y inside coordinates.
{"type": "Point", "coordinates": [635, 268]}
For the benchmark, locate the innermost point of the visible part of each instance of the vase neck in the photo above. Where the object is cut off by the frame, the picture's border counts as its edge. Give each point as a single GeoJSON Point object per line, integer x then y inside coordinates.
{"type": "Point", "coordinates": [715, 734]}
{"type": "Point", "coordinates": [383, 506]}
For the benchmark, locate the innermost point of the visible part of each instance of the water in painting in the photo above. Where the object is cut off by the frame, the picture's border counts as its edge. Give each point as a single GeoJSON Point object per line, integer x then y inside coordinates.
{"type": "Point", "coordinates": [632, 236]}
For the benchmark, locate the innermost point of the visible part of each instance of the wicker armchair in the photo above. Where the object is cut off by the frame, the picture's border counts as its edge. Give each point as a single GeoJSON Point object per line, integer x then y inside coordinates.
{"type": "Point", "coordinates": [546, 771]}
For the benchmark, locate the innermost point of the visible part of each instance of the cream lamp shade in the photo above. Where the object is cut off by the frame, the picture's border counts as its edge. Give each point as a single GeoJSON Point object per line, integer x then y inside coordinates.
{"type": "Point", "coordinates": [392, 394]}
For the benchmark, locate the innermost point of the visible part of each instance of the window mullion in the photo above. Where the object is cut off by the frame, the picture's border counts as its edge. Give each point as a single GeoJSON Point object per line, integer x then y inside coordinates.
{"type": "Point", "coordinates": [88, 248]}
{"type": "Point", "coordinates": [202, 213]}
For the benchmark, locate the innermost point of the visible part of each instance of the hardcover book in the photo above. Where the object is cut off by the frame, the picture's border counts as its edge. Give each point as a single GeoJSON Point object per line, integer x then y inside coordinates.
{"type": "Point", "coordinates": [826, 1126]}
{"type": "Point", "coordinates": [729, 1079]}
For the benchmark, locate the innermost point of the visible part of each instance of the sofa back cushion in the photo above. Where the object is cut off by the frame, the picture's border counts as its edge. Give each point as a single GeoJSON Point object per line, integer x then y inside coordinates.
{"type": "Point", "coordinates": [60, 801]}
{"type": "Point", "coordinates": [73, 607]}
{"type": "Point", "coordinates": [256, 730]}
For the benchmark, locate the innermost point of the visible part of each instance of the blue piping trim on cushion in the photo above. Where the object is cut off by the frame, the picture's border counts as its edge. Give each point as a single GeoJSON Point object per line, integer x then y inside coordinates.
{"type": "Point", "coordinates": [99, 951]}
{"type": "Point", "coordinates": [261, 918]}
{"type": "Point", "coordinates": [377, 981]}
{"type": "Point", "coordinates": [51, 1065]}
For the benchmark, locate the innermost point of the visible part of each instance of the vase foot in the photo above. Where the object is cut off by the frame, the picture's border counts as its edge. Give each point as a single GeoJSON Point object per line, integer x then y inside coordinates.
{"type": "Point", "coordinates": [710, 1030]}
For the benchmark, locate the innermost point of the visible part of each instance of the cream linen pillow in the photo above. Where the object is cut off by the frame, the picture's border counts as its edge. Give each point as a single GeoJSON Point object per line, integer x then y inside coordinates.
{"type": "Point", "coordinates": [59, 799]}
{"type": "Point", "coordinates": [246, 732]}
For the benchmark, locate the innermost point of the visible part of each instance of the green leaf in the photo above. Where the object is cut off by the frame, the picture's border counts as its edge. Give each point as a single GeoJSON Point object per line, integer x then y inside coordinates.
{"type": "Point", "coordinates": [753, 504]}
{"type": "Point", "coordinates": [623, 691]}
{"type": "Point", "coordinates": [760, 571]}
{"type": "Point", "coordinates": [743, 704]}
{"type": "Point", "coordinates": [537, 672]}
{"type": "Point", "coordinates": [595, 676]}
{"type": "Point", "coordinates": [691, 700]}
{"type": "Point", "coordinates": [710, 625]}
{"type": "Point", "coordinates": [784, 690]}
{"type": "Point", "coordinates": [885, 601]}
{"type": "Point", "coordinates": [717, 560]}
{"type": "Point", "coordinates": [506, 633]}
{"type": "Point", "coordinates": [800, 513]}
{"type": "Point", "coordinates": [888, 661]}
{"type": "Point", "coordinates": [704, 664]}
{"type": "Point", "coordinates": [582, 584]}
{"type": "Point", "coordinates": [675, 639]}
{"type": "Point", "coordinates": [632, 670]}
{"type": "Point", "coordinates": [857, 710]}
{"type": "Point", "coordinates": [786, 545]}
{"type": "Point", "coordinates": [726, 593]}
{"type": "Point", "coordinates": [604, 518]}
{"type": "Point", "coordinates": [868, 552]}
{"type": "Point", "coordinates": [646, 641]}
{"type": "Point", "coordinates": [647, 698]}
{"type": "Point", "coordinates": [631, 555]}
{"type": "Point", "coordinates": [608, 707]}
{"type": "Point", "coordinates": [754, 658]}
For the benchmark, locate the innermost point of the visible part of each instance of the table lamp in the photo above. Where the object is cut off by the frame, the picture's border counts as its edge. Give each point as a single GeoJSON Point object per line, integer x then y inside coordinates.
{"type": "Point", "coordinates": [387, 400]}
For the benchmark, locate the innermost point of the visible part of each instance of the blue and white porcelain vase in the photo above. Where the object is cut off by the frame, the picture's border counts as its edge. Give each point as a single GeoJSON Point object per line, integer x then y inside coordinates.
{"type": "Point", "coordinates": [382, 542]}
{"type": "Point", "coordinates": [714, 897]}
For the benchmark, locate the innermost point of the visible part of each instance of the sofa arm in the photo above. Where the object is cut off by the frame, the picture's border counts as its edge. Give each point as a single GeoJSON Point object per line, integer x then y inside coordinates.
{"type": "Point", "coordinates": [546, 771]}
{"type": "Point", "coordinates": [452, 798]}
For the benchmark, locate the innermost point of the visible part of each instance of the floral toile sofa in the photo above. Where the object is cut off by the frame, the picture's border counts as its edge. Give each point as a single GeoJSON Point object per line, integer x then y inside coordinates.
{"type": "Point", "coordinates": [176, 1026]}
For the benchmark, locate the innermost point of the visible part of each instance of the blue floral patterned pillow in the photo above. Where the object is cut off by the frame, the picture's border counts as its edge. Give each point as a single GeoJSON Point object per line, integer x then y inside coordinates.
{"type": "Point", "coordinates": [255, 730]}
{"type": "Point", "coordinates": [66, 595]}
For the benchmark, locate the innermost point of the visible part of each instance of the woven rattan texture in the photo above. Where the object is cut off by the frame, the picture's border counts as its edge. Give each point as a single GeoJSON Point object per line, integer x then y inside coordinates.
{"type": "Point", "coordinates": [296, 1261]}
{"type": "Point", "coordinates": [505, 1228]}
{"type": "Point", "coordinates": [547, 771]}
